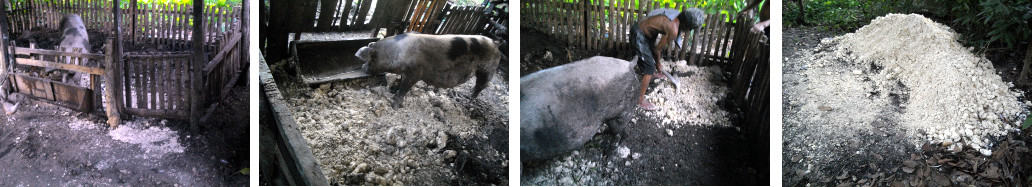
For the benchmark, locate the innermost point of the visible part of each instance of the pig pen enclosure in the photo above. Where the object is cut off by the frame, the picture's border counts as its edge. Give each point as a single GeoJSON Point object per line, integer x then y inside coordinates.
{"type": "Point", "coordinates": [172, 110]}
{"type": "Point", "coordinates": [152, 67]}
{"type": "Point", "coordinates": [325, 122]}
{"type": "Point", "coordinates": [713, 130]}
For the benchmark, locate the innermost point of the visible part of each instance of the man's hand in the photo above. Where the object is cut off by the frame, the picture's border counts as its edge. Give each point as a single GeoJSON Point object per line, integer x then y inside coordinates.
{"type": "Point", "coordinates": [758, 27]}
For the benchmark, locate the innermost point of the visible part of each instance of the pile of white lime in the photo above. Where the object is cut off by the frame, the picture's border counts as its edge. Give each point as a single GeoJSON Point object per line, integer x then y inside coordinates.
{"type": "Point", "coordinates": [955, 97]}
{"type": "Point", "coordinates": [696, 102]}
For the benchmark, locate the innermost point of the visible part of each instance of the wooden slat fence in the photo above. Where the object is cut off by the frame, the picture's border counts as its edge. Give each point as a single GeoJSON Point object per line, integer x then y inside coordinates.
{"type": "Point", "coordinates": [146, 24]}
{"type": "Point", "coordinates": [337, 15]}
{"type": "Point", "coordinates": [222, 72]}
{"type": "Point", "coordinates": [158, 68]}
{"type": "Point", "coordinates": [749, 77]}
{"type": "Point", "coordinates": [425, 18]}
{"type": "Point", "coordinates": [605, 26]}
{"type": "Point", "coordinates": [156, 83]}
{"type": "Point", "coordinates": [392, 15]}
{"type": "Point", "coordinates": [463, 20]}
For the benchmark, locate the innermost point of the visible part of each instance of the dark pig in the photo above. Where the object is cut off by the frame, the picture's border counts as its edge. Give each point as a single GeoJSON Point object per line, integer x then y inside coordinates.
{"type": "Point", "coordinates": [443, 61]}
{"type": "Point", "coordinates": [562, 107]}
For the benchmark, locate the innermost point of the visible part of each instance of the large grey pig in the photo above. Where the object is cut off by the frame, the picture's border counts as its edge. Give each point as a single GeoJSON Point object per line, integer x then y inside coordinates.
{"type": "Point", "coordinates": [562, 107]}
{"type": "Point", "coordinates": [438, 60]}
{"type": "Point", "coordinates": [75, 37]}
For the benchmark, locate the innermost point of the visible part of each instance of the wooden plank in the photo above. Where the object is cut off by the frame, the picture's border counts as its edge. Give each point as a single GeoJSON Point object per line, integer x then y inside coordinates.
{"type": "Point", "coordinates": [363, 13]}
{"type": "Point", "coordinates": [345, 21]}
{"type": "Point", "coordinates": [151, 82]}
{"type": "Point", "coordinates": [63, 66]}
{"type": "Point", "coordinates": [139, 94]}
{"type": "Point", "coordinates": [218, 58]}
{"type": "Point", "coordinates": [30, 51]}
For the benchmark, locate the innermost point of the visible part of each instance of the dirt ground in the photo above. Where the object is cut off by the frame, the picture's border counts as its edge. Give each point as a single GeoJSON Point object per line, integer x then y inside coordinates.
{"type": "Point", "coordinates": [46, 145]}
{"type": "Point", "coordinates": [440, 136]}
{"type": "Point", "coordinates": [692, 140]}
{"type": "Point", "coordinates": [882, 153]}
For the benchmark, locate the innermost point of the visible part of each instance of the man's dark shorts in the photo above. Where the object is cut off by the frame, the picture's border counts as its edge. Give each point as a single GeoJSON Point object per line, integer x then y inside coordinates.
{"type": "Point", "coordinates": [644, 46]}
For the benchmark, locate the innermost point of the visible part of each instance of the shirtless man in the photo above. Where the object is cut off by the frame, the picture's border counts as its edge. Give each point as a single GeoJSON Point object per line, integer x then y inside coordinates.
{"type": "Point", "coordinates": [668, 22]}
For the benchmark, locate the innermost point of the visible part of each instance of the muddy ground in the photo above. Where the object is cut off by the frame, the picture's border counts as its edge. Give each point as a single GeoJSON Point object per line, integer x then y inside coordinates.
{"type": "Point", "coordinates": [440, 136]}
{"type": "Point", "coordinates": [881, 155]}
{"type": "Point", "coordinates": [704, 147]}
{"type": "Point", "coordinates": [46, 145]}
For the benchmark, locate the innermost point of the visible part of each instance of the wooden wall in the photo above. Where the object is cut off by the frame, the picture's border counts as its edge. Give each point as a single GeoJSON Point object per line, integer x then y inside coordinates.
{"type": "Point", "coordinates": [600, 26]}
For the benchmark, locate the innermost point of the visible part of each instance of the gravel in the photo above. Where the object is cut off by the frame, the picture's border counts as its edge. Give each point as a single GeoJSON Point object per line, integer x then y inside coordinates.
{"type": "Point", "coordinates": [359, 139]}
{"type": "Point", "coordinates": [695, 103]}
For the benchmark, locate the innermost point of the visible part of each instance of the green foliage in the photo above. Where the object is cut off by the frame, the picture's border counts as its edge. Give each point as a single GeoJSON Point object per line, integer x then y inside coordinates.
{"type": "Point", "coordinates": [245, 171]}
{"type": "Point", "coordinates": [841, 16]}
{"type": "Point", "coordinates": [1027, 123]}
{"type": "Point", "coordinates": [712, 7]}
{"type": "Point", "coordinates": [984, 24]}
{"type": "Point", "coordinates": [990, 23]}
{"type": "Point", "coordinates": [1008, 20]}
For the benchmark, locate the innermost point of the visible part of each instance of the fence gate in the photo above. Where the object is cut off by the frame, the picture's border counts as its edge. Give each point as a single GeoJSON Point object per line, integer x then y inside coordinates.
{"type": "Point", "coordinates": [155, 84]}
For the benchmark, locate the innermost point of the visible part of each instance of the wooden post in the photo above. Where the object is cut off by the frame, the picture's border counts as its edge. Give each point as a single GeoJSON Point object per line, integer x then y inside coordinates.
{"type": "Point", "coordinates": [244, 40]}
{"type": "Point", "coordinates": [111, 91]}
{"type": "Point", "coordinates": [263, 25]}
{"type": "Point", "coordinates": [5, 59]}
{"type": "Point", "coordinates": [200, 60]}
{"type": "Point", "coordinates": [132, 15]}
{"type": "Point", "coordinates": [326, 12]}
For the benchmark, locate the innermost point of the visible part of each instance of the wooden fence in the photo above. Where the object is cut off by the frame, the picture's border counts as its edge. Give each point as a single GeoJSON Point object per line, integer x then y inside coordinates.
{"type": "Point", "coordinates": [463, 20]}
{"type": "Point", "coordinates": [83, 98]}
{"type": "Point", "coordinates": [749, 78]}
{"type": "Point", "coordinates": [595, 25]}
{"type": "Point", "coordinates": [143, 24]}
{"type": "Point", "coordinates": [158, 72]}
{"type": "Point", "coordinates": [155, 83]}
{"type": "Point", "coordinates": [222, 72]}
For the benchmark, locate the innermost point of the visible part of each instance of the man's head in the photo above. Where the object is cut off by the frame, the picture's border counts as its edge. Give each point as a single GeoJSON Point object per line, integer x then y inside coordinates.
{"type": "Point", "coordinates": [691, 19]}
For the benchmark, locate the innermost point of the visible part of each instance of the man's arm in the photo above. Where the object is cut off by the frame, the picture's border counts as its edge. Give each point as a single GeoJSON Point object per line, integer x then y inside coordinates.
{"type": "Point", "coordinates": [669, 34]}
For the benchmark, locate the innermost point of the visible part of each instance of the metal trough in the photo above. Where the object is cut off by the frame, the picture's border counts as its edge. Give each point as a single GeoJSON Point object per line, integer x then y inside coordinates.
{"type": "Point", "coordinates": [325, 61]}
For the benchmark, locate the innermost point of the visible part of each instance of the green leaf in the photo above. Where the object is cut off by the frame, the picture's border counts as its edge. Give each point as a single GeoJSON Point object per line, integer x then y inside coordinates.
{"type": "Point", "coordinates": [1027, 123]}
{"type": "Point", "coordinates": [245, 171]}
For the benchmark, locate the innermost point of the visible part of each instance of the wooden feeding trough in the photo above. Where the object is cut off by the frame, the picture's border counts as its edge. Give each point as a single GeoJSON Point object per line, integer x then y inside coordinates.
{"type": "Point", "coordinates": [325, 61]}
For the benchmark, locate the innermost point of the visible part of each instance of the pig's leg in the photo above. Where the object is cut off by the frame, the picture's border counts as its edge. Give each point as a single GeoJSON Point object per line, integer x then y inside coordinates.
{"type": "Point", "coordinates": [483, 78]}
{"type": "Point", "coordinates": [403, 88]}
{"type": "Point", "coordinates": [616, 126]}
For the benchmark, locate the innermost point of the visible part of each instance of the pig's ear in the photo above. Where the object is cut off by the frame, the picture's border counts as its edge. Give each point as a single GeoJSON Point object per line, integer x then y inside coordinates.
{"type": "Point", "coordinates": [365, 53]}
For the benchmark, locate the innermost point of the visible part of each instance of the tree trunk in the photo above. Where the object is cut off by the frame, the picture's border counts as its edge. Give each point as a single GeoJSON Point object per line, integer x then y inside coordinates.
{"type": "Point", "coordinates": [802, 13]}
{"type": "Point", "coordinates": [1023, 77]}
